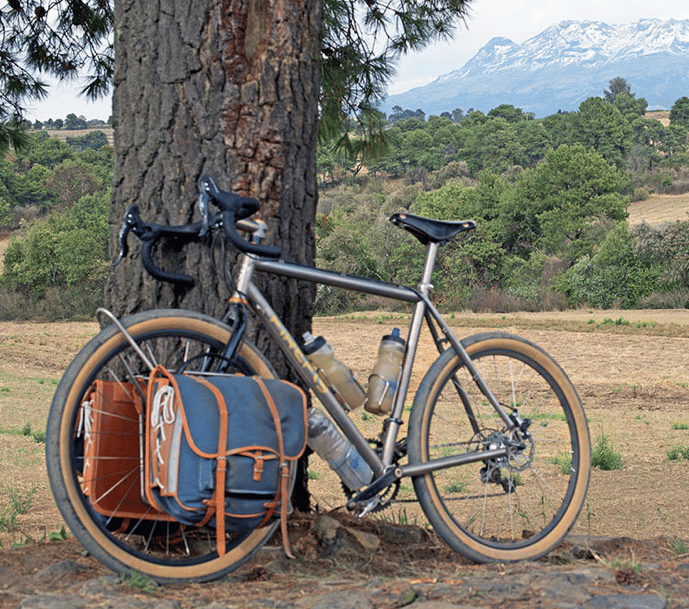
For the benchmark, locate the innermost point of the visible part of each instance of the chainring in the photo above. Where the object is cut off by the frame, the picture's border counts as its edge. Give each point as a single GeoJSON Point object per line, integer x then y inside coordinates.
{"type": "Point", "coordinates": [389, 494]}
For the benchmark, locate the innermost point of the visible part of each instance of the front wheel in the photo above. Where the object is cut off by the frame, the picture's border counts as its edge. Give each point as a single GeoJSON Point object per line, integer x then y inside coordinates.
{"type": "Point", "coordinates": [514, 507]}
{"type": "Point", "coordinates": [98, 492]}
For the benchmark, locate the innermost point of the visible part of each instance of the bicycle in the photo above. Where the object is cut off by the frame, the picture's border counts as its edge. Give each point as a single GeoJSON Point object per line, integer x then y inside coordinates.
{"type": "Point", "coordinates": [497, 446]}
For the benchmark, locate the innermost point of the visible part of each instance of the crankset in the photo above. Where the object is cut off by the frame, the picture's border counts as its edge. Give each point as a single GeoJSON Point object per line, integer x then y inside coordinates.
{"type": "Point", "coordinates": [381, 493]}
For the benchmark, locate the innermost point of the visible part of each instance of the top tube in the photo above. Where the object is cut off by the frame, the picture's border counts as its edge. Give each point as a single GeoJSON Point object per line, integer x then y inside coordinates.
{"type": "Point", "coordinates": [339, 280]}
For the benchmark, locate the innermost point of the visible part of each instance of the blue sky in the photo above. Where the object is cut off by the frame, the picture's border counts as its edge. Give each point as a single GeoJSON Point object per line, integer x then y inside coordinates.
{"type": "Point", "coordinates": [518, 20]}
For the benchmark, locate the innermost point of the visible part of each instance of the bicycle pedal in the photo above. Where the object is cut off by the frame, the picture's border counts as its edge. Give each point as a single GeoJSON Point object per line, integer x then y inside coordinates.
{"type": "Point", "coordinates": [369, 506]}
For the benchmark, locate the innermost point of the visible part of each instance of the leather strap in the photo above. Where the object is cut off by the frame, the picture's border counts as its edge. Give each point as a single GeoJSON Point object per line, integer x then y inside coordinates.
{"type": "Point", "coordinates": [218, 499]}
{"type": "Point", "coordinates": [283, 492]}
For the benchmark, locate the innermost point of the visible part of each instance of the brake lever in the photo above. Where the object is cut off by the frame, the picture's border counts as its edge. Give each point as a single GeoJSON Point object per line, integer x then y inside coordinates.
{"type": "Point", "coordinates": [204, 199]}
{"type": "Point", "coordinates": [132, 222]}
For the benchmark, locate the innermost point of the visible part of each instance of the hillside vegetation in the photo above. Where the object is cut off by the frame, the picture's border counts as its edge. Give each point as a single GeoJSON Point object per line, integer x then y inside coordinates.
{"type": "Point", "coordinates": [555, 198]}
{"type": "Point", "coordinates": [579, 208]}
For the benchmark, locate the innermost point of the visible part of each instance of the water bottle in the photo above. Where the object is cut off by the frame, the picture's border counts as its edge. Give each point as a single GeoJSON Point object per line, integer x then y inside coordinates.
{"type": "Point", "coordinates": [340, 378]}
{"type": "Point", "coordinates": [327, 441]}
{"type": "Point", "coordinates": [382, 384]}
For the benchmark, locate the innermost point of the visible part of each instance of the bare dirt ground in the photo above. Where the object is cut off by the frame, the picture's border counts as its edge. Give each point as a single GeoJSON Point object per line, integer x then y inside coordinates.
{"type": "Point", "coordinates": [628, 367]}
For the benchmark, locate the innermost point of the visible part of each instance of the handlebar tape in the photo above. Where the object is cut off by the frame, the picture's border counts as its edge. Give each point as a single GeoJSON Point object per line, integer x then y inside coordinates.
{"type": "Point", "coordinates": [158, 273]}
{"type": "Point", "coordinates": [235, 207]}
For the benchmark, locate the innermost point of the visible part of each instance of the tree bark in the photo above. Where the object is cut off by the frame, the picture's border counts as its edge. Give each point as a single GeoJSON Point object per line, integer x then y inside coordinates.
{"type": "Point", "coordinates": [228, 88]}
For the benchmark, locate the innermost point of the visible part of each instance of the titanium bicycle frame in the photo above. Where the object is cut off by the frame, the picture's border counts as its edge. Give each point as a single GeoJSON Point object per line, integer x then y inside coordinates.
{"type": "Point", "coordinates": [247, 292]}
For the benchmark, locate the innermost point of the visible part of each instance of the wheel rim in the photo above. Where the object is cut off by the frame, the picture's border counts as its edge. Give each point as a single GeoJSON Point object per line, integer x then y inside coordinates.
{"type": "Point", "coordinates": [520, 506]}
{"type": "Point", "coordinates": [148, 544]}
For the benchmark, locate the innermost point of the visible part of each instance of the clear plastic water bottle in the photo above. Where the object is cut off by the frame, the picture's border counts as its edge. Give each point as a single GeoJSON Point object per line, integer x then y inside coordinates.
{"type": "Point", "coordinates": [382, 384]}
{"type": "Point", "coordinates": [340, 378]}
{"type": "Point", "coordinates": [327, 441]}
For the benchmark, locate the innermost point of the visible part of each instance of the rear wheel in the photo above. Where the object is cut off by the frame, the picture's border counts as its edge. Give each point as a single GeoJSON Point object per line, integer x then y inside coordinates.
{"type": "Point", "coordinates": [104, 510]}
{"type": "Point", "coordinates": [512, 507]}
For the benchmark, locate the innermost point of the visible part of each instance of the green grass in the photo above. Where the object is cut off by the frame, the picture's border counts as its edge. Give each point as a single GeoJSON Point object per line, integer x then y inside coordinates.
{"type": "Point", "coordinates": [141, 582]}
{"type": "Point", "coordinates": [17, 505]}
{"type": "Point", "coordinates": [38, 435]}
{"type": "Point", "coordinates": [60, 535]}
{"type": "Point", "coordinates": [620, 321]}
{"type": "Point", "coordinates": [564, 462]}
{"type": "Point", "coordinates": [516, 478]}
{"type": "Point", "coordinates": [678, 546]}
{"type": "Point", "coordinates": [399, 517]}
{"type": "Point", "coordinates": [455, 487]}
{"type": "Point", "coordinates": [604, 456]}
{"type": "Point", "coordinates": [676, 453]}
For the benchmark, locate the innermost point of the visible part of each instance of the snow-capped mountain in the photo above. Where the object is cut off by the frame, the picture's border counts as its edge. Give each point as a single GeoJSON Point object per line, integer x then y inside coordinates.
{"type": "Point", "coordinates": [561, 67]}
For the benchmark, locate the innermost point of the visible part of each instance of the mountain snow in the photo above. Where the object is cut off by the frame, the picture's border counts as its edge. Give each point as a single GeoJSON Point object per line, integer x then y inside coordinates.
{"type": "Point", "coordinates": [563, 65]}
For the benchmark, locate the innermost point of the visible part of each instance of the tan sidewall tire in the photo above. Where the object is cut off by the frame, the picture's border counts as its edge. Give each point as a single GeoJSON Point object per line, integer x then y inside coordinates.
{"type": "Point", "coordinates": [432, 504]}
{"type": "Point", "coordinates": [96, 541]}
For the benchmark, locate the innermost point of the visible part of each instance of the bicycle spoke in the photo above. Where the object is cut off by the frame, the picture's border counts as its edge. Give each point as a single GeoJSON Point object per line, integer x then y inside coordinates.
{"type": "Point", "coordinates": [510, 502]}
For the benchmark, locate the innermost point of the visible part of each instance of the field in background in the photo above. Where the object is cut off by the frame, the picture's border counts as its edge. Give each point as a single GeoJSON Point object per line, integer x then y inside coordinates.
{"type": "Point", "coordinates": [657, 209]}
{"type": "Point", "coordinates": [628, 367]}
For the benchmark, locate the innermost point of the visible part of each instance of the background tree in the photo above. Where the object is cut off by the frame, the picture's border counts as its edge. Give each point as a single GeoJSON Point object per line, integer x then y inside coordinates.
{"type": "Point", "coordinates": [602, 126]}
{"type": "Point", "coordinates": [679, 113]}
{"type": "Point", "coordinates": [72, 121]}
{"type": "Point", "coordinates": [63, 38]}
{"type": "Point", "coordinates": [630, 107]}
{"type": "Point", "coordinates": [570, 200]}
{"type": "Point", "coordinates": [71, 180]}
{"type": "Point", "coordinates": [616, 86]}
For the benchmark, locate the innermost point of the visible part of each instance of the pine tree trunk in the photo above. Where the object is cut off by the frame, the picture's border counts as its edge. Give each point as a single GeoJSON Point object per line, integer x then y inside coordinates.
{"type": "Point", "coordinates": [227, 88]}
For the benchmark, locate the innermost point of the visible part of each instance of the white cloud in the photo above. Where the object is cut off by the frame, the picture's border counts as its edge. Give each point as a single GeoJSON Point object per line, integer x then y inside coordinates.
{"type": "Point", "coordinates": [64, 99]}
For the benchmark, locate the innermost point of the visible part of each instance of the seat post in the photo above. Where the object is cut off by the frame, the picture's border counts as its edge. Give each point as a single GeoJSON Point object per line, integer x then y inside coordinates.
{"type": "Point", "coordinates": [431, 253]}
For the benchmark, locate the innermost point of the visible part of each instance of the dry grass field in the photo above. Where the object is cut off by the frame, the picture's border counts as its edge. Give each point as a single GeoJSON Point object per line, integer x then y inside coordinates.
{"type": "Point", "coordinates": [658, 209]}
{"type": "Point", "coordinates": [628, 367]}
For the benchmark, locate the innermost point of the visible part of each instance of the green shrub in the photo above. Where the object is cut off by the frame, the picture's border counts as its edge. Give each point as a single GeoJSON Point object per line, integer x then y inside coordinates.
{"type": "Point", "coordinates": [614, 276]}
{"type": "Point", "coordinates": [65, 249]}
{"type": "Point", "coordinates": [675, 453]}
{"type": "Point", "coordinates": [604, 456]}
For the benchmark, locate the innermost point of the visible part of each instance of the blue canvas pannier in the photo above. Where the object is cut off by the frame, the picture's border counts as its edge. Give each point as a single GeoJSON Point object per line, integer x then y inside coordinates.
{"type": "Point", "coordinates": [221, 450]}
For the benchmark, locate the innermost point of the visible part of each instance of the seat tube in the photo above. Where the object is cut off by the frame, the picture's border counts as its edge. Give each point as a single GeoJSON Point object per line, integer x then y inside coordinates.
{"type": "Point", "coordinates": [395, 420]}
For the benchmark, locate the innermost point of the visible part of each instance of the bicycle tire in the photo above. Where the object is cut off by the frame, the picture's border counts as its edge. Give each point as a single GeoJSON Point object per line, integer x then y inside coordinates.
{"type": "Point", "coordinates": [519, 507]}
{"type": "Point", "coordinates": [162, 551]}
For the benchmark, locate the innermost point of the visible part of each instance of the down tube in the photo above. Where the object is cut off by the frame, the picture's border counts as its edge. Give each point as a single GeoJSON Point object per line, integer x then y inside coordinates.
{"type": "Point", "coordinates": [309, 375]}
